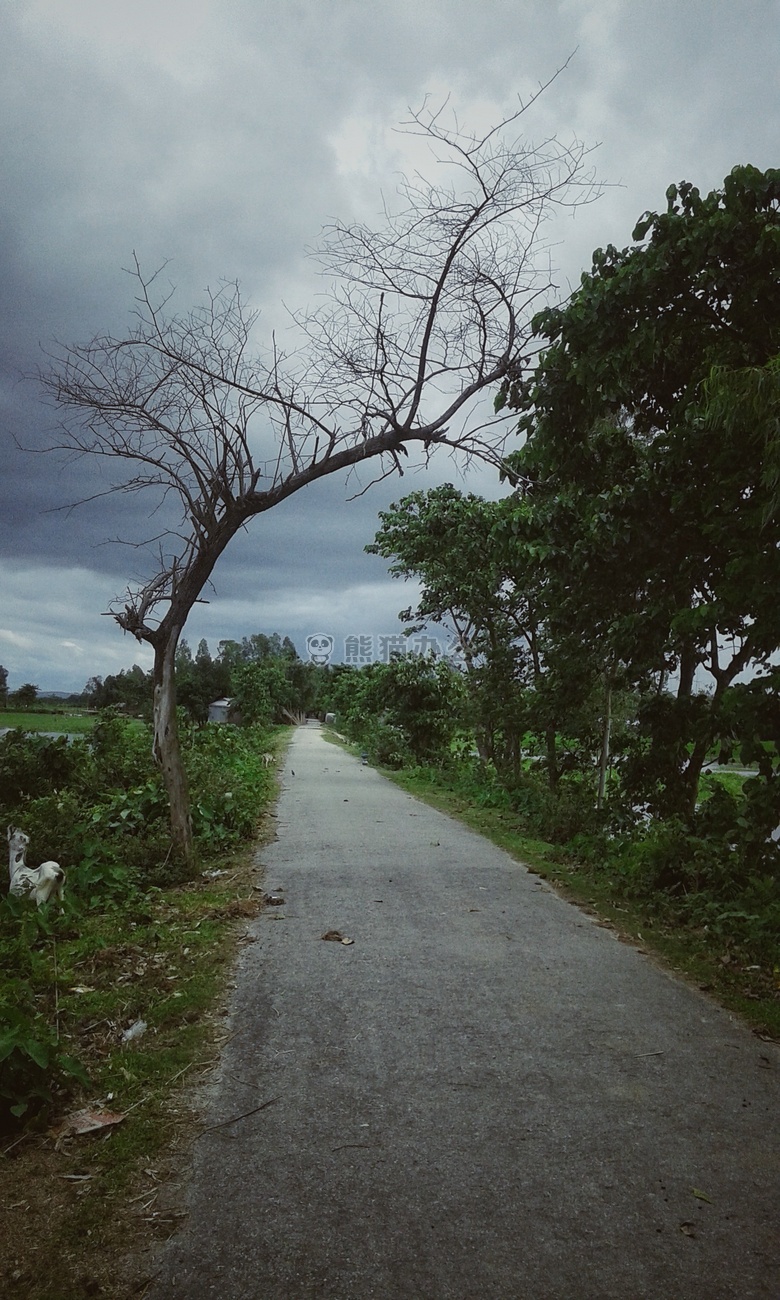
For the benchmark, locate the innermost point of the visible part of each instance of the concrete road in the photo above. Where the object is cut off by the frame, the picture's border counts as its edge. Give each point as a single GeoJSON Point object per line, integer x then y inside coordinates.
{"type": "Point", "coordinates": [485, 1097]}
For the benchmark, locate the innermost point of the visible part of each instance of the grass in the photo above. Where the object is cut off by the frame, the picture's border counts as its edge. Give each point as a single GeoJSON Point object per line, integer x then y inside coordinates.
{"type": "Point", "coordinates": [40, 720]}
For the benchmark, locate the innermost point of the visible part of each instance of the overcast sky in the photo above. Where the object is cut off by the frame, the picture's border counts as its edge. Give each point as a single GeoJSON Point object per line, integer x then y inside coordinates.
{"type": "Point", "coordinates": [221, 135]}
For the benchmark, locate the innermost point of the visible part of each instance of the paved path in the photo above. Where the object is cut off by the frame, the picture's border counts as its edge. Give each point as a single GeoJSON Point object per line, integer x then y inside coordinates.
{"type": "Point", "coordinates": [485, 1097]}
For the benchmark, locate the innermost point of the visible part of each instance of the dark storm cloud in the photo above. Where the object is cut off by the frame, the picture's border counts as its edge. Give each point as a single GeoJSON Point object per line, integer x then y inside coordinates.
{"type": "Point", "coordinates": [221, 136]}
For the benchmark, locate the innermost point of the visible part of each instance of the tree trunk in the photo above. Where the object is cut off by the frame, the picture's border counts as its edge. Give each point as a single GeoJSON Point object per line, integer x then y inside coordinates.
{"type": "Point", "coordinates": [605, 749]}
{"type": "Point", "coordinates": [167, 751]}
{"type": "Point", "coordinates": [723, 679]}
{"type": "Point", "coordinates": [550, 734]}
{"type": "Point", "coordinates": [551, 743]}
{"type": "Point", "coordinates": [688, 663]}
{"type": "Point", "coordinates": [692, 773]}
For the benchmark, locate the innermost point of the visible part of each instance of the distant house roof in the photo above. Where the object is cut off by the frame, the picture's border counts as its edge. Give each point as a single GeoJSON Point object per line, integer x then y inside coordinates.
{"type": "Point", "coordinates": [224, 711]}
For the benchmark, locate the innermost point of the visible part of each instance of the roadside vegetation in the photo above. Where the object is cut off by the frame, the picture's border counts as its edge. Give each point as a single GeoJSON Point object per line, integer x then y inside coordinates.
{"type": "Point", "coordinates": [109, 1005]}
{"type": "Point", "coordinates": [616, 610]}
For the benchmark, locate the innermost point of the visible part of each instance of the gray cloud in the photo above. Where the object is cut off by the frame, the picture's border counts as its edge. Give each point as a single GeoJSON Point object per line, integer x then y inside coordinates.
{"type": "Point", "coordinates": [221, 136]}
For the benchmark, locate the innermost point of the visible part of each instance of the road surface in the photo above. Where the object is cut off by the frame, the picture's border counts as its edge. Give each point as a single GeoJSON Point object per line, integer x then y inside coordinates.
{"type": "Point", "coordinates": [486, 1096]}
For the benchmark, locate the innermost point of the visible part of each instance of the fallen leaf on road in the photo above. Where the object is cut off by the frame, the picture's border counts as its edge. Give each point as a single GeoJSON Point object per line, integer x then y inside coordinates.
{"type": "Point", "coordinates": [689, 1229]}
{"type": "Point", "coordinates": [335, 935]}
{"type": "Point", "coordinates": [701, 1196]}
{"type": "Point", "coordinates": [347, 942]}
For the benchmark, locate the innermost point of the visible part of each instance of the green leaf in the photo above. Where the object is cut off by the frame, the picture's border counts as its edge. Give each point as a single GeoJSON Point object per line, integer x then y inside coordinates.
{"type": "Point", "coordinates": [37, 1051]}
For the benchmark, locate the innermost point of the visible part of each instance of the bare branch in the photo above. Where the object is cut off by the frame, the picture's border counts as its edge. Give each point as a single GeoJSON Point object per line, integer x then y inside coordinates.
{"type": "Point", "coordinates": [419, 318]}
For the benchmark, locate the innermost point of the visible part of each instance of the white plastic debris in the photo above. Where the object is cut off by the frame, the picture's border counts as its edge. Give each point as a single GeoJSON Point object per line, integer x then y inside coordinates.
{"type": "Point", "coordinates": [138, 1028]}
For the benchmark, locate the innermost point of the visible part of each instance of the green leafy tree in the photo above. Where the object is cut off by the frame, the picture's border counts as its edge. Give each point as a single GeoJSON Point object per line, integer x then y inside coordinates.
{"type": "Point", "coordinates": [263, 690]}
{"type": "Point", "coordinates": [654, 487]}
{"type": "Point", "coordinates": [406, 711]}
{"type": "Point", "coordinates": [130, 689]}
{"type": "Point", "coordinates": [199, 681]}
{"type": "Point", "coordinates": [478, 577]}
{"type": "Point", "coordinates": [26, 695]}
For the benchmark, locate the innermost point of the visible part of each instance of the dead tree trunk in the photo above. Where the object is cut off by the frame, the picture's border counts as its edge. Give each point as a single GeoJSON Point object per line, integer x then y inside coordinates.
{"type": "Point", "coordinates": [166, 747]}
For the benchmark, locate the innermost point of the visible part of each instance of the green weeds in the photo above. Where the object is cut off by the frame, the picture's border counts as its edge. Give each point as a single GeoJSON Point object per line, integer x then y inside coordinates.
{"type": "Point", "coordinates": [135, 943]}
{"type": "Point", "coordinates": [98, 807]}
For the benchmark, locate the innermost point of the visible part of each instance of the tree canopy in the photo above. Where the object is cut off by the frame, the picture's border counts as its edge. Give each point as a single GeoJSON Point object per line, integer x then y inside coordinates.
{"type": "Point", "coordinates": [653, 481]}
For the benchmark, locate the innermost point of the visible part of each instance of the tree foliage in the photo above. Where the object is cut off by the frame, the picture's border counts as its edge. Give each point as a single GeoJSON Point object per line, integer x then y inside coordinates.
{"type": "Point", "coordinates": [26, 695]}
{"type": "Point", "coordinates": [409, 710]}
{"type": "Point", "coordinates": [477, 576]}
{"type": "Point", "coordinates": [654, 483]}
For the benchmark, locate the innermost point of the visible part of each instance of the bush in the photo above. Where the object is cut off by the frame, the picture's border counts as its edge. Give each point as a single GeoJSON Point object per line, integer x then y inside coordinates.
{"type": "Point", "coordinates": [554, 815]}
{"type": "Point", "coordinates": [33, 1066]}
{"type": "Point", "coordinates": [228, 783]}
{"type": "Point", "coordinates": [100, 809]}
{"type": "Point", "coordinates": [32, 766]}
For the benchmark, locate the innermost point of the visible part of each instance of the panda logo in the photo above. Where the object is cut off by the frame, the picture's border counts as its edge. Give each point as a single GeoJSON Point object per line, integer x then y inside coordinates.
{"type": "Point", "coordinates": [319, 648]}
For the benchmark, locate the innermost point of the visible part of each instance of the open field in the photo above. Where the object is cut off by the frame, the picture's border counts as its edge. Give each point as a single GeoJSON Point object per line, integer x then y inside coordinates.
{"type": "Point", "coordinates": [54, 720]}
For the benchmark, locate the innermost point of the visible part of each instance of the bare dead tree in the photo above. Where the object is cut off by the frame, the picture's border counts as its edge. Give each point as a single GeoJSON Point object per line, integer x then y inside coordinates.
{"type": "Point", "coordinates": [420, 318]}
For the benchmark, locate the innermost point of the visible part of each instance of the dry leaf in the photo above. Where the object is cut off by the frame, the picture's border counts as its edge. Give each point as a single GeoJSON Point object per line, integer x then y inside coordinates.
{"type": "Point", "coordinates": [689, 1229]}
{"type": "Point", "coordinates": [86, 1121]}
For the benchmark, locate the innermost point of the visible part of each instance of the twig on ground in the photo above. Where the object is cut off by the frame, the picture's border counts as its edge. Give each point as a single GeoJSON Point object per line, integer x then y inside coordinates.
{"type": "Point", "coordinates": [224, 1123]}
{"type": "Point", "coordinates": [16, 1143]}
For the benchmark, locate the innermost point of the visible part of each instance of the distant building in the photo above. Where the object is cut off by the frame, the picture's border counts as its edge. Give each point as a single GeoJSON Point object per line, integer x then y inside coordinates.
{"type": "Point", "coordinates": [224, 711]}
